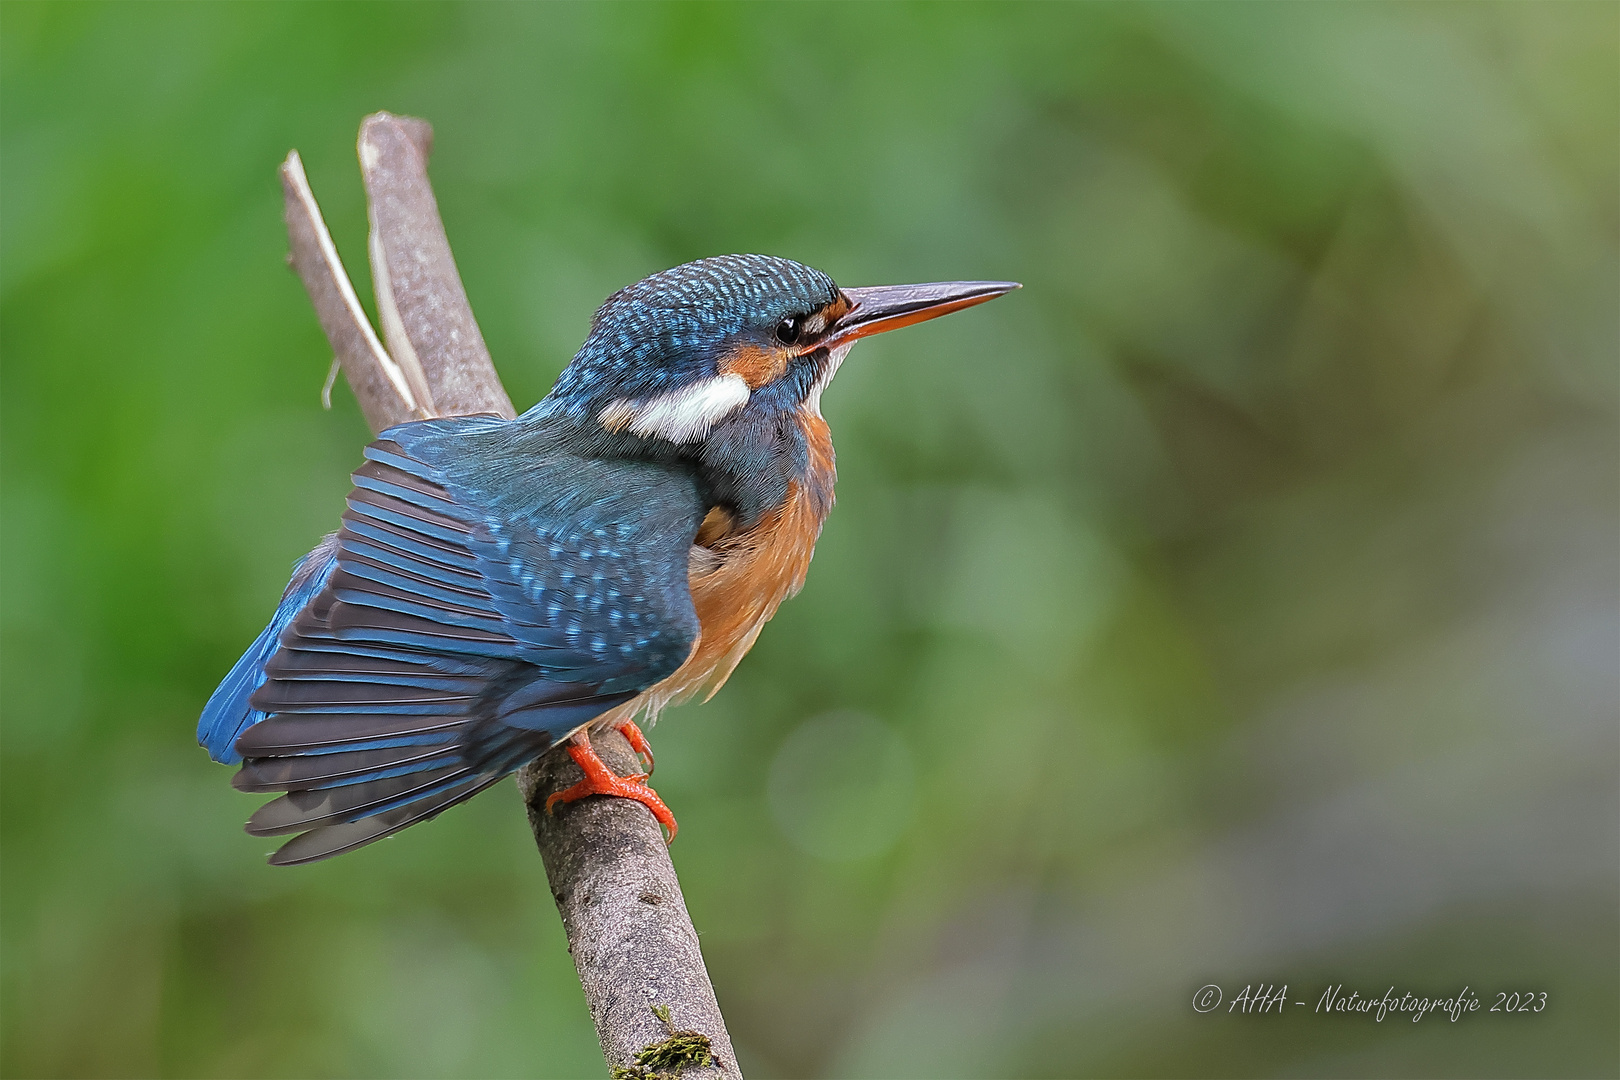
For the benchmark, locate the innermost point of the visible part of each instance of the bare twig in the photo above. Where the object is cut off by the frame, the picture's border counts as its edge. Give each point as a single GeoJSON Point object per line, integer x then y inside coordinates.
{"type": "Point", "coordinates": [385, 396]}
{"type": "Point", "coordinates": [621, 904]}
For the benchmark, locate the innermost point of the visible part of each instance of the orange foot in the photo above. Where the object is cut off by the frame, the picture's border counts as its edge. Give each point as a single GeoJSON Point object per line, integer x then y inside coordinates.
{"type": "Point", "coordinates": [638, 743]}
{"type": "Point", "coordinates": [600, 780]}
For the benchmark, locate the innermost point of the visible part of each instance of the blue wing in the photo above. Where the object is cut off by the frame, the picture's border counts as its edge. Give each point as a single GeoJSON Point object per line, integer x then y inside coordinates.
{"type": "Point", "coordinates": [483, 600]}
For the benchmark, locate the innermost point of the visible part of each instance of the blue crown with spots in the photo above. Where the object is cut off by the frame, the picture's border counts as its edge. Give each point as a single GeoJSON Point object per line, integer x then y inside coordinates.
{"type": "Point", "coordinates": [669, 328]}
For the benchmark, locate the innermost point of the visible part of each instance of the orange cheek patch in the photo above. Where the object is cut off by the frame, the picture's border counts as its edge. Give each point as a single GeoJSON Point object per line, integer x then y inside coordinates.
{"type": "Point", "coordinates": [756, 365]}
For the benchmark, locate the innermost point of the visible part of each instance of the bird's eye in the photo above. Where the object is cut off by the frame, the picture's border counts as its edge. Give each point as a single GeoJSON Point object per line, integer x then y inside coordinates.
{"type": "Point", "coordinates": [787, 331]}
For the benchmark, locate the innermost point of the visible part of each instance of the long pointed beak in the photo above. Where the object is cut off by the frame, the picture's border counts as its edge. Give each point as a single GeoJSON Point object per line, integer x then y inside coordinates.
{"type": "Point", "coordinates": [889, 307]}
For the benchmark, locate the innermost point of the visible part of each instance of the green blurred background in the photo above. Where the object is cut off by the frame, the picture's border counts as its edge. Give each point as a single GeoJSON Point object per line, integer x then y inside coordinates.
{"type": "Point", "coordinates": [1235, 604]}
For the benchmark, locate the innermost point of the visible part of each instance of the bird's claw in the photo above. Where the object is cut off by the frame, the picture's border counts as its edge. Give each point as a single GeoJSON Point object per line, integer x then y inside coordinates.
{"type": "Point", "coordinates": [600, 780]}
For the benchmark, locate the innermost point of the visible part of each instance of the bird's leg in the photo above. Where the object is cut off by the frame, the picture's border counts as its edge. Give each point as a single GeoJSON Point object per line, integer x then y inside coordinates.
{"type": "Point", "coordinates": [638, 742]}
{"type": "Point", "coordinates": [601, 780]}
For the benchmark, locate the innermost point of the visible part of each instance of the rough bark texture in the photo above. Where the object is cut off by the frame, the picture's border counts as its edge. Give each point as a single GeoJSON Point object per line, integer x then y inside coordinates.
{"type": "Point", "coordinates": [632, 939]}
{"type": "Point", "coordinates": [420, 300]}
{"type": "Point", "coordinates": [610, 873]}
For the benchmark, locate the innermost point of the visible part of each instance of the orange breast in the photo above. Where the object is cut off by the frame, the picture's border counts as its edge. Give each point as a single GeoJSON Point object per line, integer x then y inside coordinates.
{"type": "Point", "coordinates": [739, 578]}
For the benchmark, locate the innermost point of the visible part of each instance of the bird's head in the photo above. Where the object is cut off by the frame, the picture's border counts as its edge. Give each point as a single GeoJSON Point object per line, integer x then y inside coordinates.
{"type": "Point", "coordinates": [736, 339]}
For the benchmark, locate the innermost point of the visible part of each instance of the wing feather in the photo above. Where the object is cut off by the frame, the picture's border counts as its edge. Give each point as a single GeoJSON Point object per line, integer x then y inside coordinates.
{"type": "Point", "coordinates": [343, 767]}
{"type": "Point", "coordinates": [308, 808]}
{"type": "Point", "coordinates": [287, 734]}
{"type": "Point", "coordinates": [336, 839]}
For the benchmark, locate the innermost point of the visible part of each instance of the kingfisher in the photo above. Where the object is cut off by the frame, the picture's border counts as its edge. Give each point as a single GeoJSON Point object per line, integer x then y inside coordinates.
{"type": "Point", "coordinates": [500, 588]}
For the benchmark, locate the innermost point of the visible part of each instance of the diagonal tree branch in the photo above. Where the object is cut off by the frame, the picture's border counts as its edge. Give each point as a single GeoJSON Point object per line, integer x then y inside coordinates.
{"type": "Point", "coordinates": [426, 320]}
{"type": "Point", "coordinates": [621, 905]}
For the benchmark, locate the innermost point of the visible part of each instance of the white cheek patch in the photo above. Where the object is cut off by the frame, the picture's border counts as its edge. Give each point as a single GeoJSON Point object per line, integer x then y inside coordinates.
{"type": "Point", "coordinates": [812, 400]}
{"type": "Point", "coordinates": [681, 416]}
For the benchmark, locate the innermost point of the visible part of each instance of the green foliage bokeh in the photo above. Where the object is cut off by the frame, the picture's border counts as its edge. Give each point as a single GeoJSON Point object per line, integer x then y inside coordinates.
{"type": "Point", "coordinates": [1235, 604]}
